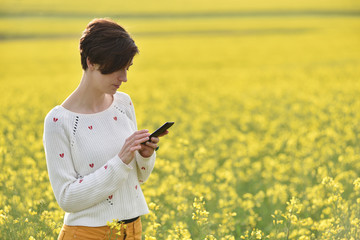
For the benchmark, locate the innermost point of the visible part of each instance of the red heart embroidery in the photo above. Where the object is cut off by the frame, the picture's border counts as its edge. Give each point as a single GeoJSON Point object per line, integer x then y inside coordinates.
{"type": "Point", "coordinates": [61, 155]}
{"type": "Point", "coordinates": [80, 181]}
{"type": "Point", "coordinates": [105, 166]}
{"type": "Point", "coordinates": [130, 103]}
{"type": "Point", "coordinates": [110, 197]}
{"type": "Point", "coordinates": [91, 165]}
{"type": "Point", "coordinates": [90, 127]}
{"type": "Point", "coordinates": [135, 186]}
{"type": "Point", "coordinates": [143, 168]}
{"type": "Point", "coordinates": [55, 119]}
{"type": "Point", "coordinates": [115, 118]}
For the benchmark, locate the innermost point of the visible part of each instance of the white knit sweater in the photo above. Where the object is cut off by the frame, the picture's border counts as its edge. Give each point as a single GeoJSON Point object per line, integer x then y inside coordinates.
{"type": "Point", "coordinates": [90, 182]}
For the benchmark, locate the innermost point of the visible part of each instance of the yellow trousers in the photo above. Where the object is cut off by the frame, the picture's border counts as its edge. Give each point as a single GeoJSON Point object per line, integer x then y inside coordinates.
{"type": "Point", "coordinates": [130, 231]}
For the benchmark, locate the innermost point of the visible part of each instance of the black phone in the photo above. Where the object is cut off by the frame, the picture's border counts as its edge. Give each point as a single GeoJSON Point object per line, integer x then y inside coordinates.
{"type": "Point", "coordinates": [161, 129]}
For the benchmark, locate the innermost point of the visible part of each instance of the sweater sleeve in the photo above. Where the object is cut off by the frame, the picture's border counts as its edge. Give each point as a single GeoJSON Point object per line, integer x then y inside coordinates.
{"type": "Point", "coordinates": [144, 166]}
{"type": "Point", "coordinates": [75, 193]}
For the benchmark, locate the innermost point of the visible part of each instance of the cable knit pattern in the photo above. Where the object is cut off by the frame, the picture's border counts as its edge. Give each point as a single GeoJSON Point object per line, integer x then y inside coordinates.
{"type": "Point", "coordinates": [90, 182]}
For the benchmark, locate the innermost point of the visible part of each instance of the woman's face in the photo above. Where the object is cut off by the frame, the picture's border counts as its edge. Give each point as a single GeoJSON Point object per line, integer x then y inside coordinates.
{"type": "Point", "coordinates": [109, 83]}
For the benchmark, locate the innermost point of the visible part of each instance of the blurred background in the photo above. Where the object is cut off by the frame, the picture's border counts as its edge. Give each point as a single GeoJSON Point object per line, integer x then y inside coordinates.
{"type": "Point", "coordinates": [264, 95]}
{"type": "Point", "coordinates": [217, 42]}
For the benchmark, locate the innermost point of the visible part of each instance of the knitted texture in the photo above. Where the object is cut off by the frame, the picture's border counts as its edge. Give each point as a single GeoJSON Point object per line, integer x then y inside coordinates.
{"type": "Point", "coordinates": [90, 182]}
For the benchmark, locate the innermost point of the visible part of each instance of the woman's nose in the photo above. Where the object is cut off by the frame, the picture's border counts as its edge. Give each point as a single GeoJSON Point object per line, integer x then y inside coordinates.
{"type": "Point", "coordinates": [123, 79]}
{"type": "Point", "coordinates": [122, 76]}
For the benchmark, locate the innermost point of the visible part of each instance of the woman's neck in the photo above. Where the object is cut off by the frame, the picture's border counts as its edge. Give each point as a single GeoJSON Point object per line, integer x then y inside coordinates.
{"type": "Point", "coordinates": [87, 99]}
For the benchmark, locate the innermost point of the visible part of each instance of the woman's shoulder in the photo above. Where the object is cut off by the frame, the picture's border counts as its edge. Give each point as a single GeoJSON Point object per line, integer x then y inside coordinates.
{"type": "Point", "coordinates": [123, 98]}
{"type": "Point", "coordinates": [53, 113]}
{"type": "Point", "coordinates": [56, 115]}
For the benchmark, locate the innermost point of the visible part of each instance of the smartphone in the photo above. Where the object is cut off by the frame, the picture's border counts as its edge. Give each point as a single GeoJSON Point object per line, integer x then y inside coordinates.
{"type": "Point", "coordinates": [161, 129]}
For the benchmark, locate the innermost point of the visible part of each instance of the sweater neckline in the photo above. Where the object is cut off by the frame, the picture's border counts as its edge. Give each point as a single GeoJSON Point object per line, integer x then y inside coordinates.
{"type": "Point", "coordinates": [90, 114]}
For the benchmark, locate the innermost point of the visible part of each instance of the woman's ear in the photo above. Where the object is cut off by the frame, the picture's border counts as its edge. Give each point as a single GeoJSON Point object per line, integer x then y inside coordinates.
{"type": "Point", "coordinates": [90, 65]}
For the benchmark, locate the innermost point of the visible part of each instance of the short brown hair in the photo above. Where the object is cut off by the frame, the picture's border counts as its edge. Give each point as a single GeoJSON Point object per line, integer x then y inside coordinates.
{"type": "Point", "coordinates": [108, 44]}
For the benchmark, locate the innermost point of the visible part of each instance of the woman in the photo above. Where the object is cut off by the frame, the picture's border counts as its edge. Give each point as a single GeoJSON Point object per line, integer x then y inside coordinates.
{"type": "Point", "coordinates": [95, 155]}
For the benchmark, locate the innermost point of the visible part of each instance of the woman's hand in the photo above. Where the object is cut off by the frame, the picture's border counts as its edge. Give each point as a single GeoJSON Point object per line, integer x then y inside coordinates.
{"type": "Point", "coordinates": [148, 148]}
{"type": "Point", "coordinates": [132, 144]}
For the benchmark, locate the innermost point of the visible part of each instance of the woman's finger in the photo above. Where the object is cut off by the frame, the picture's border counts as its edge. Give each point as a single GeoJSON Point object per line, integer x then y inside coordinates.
{"type": "Point", "coordinates": [151, 144]}
{"type": "Point", "coordinates": [164, 133]}
{"type": "Point", "coordinates": [135, 148]}
{"type": "Point", "coordinates": [141, 140]}
{"type": "Point", "coordinates": [155, 139]}
{"type": "Point", "coordinates": [141, 131]}
{"type": "Point", "coordinates": [138, 135]}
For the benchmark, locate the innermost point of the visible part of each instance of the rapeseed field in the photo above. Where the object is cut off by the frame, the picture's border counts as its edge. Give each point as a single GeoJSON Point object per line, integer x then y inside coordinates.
{"type": "Point", "coordinates": [266, 141]}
